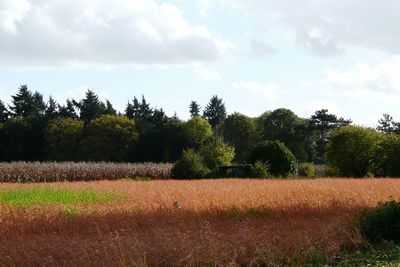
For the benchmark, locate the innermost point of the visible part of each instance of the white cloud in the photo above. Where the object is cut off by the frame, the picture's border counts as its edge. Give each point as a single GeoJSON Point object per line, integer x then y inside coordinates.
{"type": "Point", "coordinates": [103, 33]}
{"type": "Point", "coordinates": [268, 91]}
{"type": "Point", "coordinates": [382, 79]}
{"type": "Point", "coordinates": [11, 13]}
{"type": "Point", "coordinates": [206, 74]}
{"type": "Point", "coordinates": [327, 28]}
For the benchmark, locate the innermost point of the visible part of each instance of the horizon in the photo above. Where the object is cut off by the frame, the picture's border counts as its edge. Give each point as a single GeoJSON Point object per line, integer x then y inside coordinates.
{"type": "Point", "coordinates": [256, 55]}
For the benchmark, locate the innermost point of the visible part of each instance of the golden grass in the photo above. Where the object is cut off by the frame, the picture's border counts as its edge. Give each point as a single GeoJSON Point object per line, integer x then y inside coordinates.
{"type": "Point", "coordinates": [192, 223]}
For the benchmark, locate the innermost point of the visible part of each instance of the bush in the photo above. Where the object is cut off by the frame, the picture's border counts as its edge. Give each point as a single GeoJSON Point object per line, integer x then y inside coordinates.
{"type": "Point", "coordinates": [281, 159]}
{"type": "Point", "coordinates": [216, 153]}
{"type": "Point", "coordinates": [307, 170]}
{"type": "Point", "coordinates": [386, 159]}
{"type": "Point", "coordinates": [351, 150]}
{"type": "Point", "coordinates": [382, 223]}
{"type": "Point", "coordinates": [330, 171]}
{"type": "Point", "coordinates": [189, 166]}
{"type": "Point", "coordinates": [260, 170]}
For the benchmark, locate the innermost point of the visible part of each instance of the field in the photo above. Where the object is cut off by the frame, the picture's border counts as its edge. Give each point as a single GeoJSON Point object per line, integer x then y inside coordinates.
{"type": "Point", "coordinates": [227, 222]}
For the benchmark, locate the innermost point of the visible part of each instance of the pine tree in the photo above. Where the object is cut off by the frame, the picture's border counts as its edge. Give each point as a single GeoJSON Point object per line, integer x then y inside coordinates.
{"type": "Point", "coordinates": [90, 107]}
{"type": "Point", "coordinates": [145, 111]}
{"type": "Point", "coordinates": [39, 106]}
{"type": "Point", "coordinates": [215, 111]}
{"type": "Point", "coordinates": [52, 109]}
{"type": "Point", "coordinates": [109, 109]}
{"type": "Point", "coordinates": [132, 111]}
{"type": "Point", "coordinates": [68, 111]}
{"type": "Point", "coordinates": [194, 109]}
{"type": "Point", "coordinates": [386, 124]}
{"type": "Point", "coordinates": [22, 102]}
{"type": "Point", "coordinates": [3, 112]}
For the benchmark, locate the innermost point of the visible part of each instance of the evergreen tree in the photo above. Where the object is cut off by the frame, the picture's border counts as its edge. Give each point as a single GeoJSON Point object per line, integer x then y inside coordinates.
{"type": "Point", "coordinates": [109, 109]}
{"type": "Point", "coordinates": [90, 107]}
{"type": "Point", "coordinates": [194, 109]}
{"type": "Point", "coordinates": [132, 111]}
{"type": "Point", "coordinates": [22, 102]}
{"type": "Point", "coordinates": [68, 111]}
{"type": "Point", "coordinates": [215, 111]}
{"type": "Point", "coordinates": [52, 109]}
{"type": "Point", "coordinates": [145, 111]}
{"type": "Point", "coordinates": [322, 123]}
{"type": "Point", "coordinates": [386, 124]}
{"type": "Point", "coordinates": [39, 106]}
{"type": "Point", "coordinates": [3, 112]}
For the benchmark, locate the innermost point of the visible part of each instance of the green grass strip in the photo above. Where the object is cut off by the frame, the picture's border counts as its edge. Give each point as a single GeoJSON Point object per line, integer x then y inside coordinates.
{"type": "Point", "coordinates": [44, 196]}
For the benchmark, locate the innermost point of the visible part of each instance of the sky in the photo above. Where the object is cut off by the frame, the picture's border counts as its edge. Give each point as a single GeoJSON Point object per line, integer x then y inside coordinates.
{"type": "Point", "coordinates": [258, 55]}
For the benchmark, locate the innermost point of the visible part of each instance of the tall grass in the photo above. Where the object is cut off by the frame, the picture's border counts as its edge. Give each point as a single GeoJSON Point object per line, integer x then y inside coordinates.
{"type": "Point", "coordinates": [34, 172]}
{"type": "Point", "coordinates": [193, 223]}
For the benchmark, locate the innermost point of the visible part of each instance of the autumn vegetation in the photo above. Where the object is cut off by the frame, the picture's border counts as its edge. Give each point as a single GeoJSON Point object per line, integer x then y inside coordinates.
{"type": "Point", "coordinates": [75, 188]}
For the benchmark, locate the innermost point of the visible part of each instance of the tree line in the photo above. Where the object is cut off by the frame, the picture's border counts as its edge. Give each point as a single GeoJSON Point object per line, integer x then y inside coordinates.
{"type": "Point", "coordinates": [32, 129]}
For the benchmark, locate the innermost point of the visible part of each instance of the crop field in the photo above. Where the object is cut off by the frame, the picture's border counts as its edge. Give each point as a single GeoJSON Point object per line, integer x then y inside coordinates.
{"type": "Point", "coordinates": [226, 222]}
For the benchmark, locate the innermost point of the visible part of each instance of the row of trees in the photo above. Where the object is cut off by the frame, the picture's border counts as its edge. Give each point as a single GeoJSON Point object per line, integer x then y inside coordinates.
{"type": "Point", "coordinates": [89, 129]}
{"type": "Point", "coordinates": [355, 151]}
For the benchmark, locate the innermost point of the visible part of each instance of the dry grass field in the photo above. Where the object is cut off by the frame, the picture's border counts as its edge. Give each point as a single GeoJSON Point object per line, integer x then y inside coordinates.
{"type": "Point", "coordinates": [226, 222]}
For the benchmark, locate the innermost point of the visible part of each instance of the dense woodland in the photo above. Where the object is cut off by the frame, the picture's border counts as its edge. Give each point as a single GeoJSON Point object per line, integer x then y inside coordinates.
{"type": "Point", "coordinates": [35, 129]}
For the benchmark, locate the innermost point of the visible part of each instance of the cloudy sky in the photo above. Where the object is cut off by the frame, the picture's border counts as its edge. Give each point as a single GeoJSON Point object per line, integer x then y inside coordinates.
{"type": "Point", "coordinates": [257, 55]}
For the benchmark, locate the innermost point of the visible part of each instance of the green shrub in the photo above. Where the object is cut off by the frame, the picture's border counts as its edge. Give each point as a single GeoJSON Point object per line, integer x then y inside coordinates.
{"type": "Point", "coordinates": [260, 170]}
{"type": "Point", "coordinates": [189, 166]}
{"type": "Point", "coordinates": [307, 170]}
{"type": "Point", "coordinates": [281, 159]}
{"type": "Point", "coordinates": [351, 150]}
{"type": "Point", "coordinates": [216, 153]}
{"type": "Point", "coordinates": [330, 171]}
{"type": "Point", "coordinates": [382, 223]}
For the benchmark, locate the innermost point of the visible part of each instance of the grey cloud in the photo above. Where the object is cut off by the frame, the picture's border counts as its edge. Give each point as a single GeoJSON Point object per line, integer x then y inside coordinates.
{"type": "Point", "coordinates": [339, 24]}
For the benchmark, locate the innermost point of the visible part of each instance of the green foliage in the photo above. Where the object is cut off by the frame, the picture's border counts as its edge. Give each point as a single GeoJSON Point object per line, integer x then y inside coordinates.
{"type": "Point", "coordinates": [189, 166]}
{"type": "Point", "coordinates": [323, 123]}
{"type": "Point", "coordinates": [330, 171]}
{"type": "Point", "coordinates": [197, 130]}
{"type": "Point", "coordinates": [194, 109]}
{"type": "Point", "coordinates": [351, 150]}
{"type": "Point", "coordinates": [67, 110]}
{"type": "Point", "coordinates": [307, 170]}
{"type": "Point", "coordinates": [46, 196]}
{"type": "Point", "coordinates": [260, 170]}
{"type": "Point", "coordinates": [283, 125]}
{"type": "Point", "coordinates": [170, 137]}
{"type": "Point", "coordinates": [216, 153]}
{"type": "Point", "coordinates": [90, 107]}
{"type": "Point", "coordinates": [62, 139]}
{"type": "Point", "coordinates": [240, 132]}
{"type": "Point", "coordinates": [3, 112]}
{"type": "Point", "coordinates": [108, 138]}
{"type": "Point", "coordinates": [281, 159]}
{"type": "Point", "coordinates": [382, 223]}
{"type": "Point", "coordinates": [387, 157]}
{"type": "Point", "coordinates": [23, 139]}
{"type": "Point", "coordinates": [215, 111]}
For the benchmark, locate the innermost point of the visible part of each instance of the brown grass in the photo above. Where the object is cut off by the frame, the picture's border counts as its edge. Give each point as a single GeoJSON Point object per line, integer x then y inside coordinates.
{"type": "Point", "coordinates": [193, 223]}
